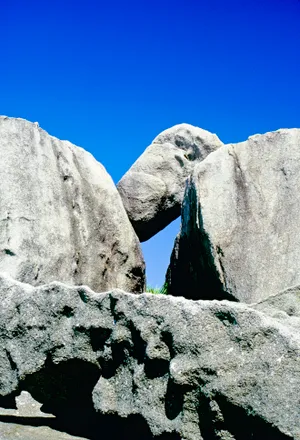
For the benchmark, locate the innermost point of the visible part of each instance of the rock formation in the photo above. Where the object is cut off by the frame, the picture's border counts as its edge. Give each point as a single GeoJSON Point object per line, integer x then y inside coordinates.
{"type": "Point", "coordinates": [61, 215]}
{"type": "Point", "coordinates": [118, 365]}
{"type": "Point", "coordinates": [152, 190]}
{"type": "Point", "coordinates": [240, 221]}
{"type": "Point", "coordinates": [175, 368]}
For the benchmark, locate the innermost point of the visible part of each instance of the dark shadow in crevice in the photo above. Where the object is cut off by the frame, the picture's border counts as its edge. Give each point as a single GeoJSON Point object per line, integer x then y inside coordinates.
{"type": "Point", "coordinates": [9, 401]}
{"type": "Point", "coordinates": [139, 345]}
{"type": "Point", "coordinates": [227, 317]}
{"type": "Point", "coordinates": [119, 354]}
{"type": "Point", "coordinates": [122, 351]}
{"type": "Point", "coordinates": [174, 400]}
{"type": "Point", "coordinates": [193, 272]}
{"type": "Point", "coordinates": [156, 368]}
{"type": "Point", "coordinates": [167, 338]}
{"type": "Point", "coordinates": [246, 426]}
{"type": "Point", "coordinates": [98, 337]}
{"type": "Point", "coordinates": [207, 420]}
{"type": "Point", "coordinates": [68, 384]}
{"type": "Point", "coordinates": [241, 423]}
{"type": "Point", "coordinates": [93, 427]}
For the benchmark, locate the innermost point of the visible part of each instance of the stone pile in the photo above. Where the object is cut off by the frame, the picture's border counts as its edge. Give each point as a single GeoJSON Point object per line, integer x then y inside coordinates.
{"type": "Point", "coordinates": [102, 361]}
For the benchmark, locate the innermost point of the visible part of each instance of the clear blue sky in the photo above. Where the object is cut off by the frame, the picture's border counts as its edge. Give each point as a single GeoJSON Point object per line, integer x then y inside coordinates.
{"type": "Point", "coordinates": [109, 76]}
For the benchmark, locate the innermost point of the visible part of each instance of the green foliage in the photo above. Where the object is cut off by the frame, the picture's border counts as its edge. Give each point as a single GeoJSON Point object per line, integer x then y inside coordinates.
{"type": "Point", "coordinates": [156, 290]}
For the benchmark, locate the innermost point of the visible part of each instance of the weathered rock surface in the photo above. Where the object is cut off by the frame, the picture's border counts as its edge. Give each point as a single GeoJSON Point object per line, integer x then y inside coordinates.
{"type": "Point", "coordinates": [24, 431]}
{"type": "Point", "coordinates": [152, 190]}
{"type": "Point", "coordinates": [162, 366]}
{"type": "Point", "coordinates": [284, 306]}
{"type": "Point", "coordinates": [240, 221]}
{"type": "Point", "coordinates": [61, 217]}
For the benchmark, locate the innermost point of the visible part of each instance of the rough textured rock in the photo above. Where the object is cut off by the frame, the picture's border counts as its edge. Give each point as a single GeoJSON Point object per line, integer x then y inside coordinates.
{"type": "Point", "coordinates": [162, 366]}
{"type": "Point", "coordinates": [152, 190]}
{"type": "Point", "coordinates": [240, 218]}
{"type": "Point", "coordinates": [61, 217]}
{"type": "Point", "coordinates": [284, 305]}
{"type": "Point", "coordinates": [19, 431]}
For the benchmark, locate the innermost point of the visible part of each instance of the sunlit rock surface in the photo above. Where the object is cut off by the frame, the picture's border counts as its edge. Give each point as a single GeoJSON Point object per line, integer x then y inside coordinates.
{"type": "Point", "coordinates": [61, 217]}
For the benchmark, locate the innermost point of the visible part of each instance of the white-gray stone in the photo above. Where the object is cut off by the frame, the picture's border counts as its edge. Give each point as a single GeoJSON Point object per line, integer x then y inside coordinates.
{"type": "Point", "coordinates": [152, 189]}
{"type": "Point", "coordinates": [61, 217]}
{"type": "Point", "coordinates": [240, 222]}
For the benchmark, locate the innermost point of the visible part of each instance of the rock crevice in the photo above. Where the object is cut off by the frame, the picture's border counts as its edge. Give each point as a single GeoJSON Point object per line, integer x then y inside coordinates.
{"type": "Point", "coordinates": [240, 215]}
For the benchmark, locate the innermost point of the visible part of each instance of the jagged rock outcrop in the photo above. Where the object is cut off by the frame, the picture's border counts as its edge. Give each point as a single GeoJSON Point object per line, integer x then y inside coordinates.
{"type": "Point", "coordinates": [152, 189]}
{"type": "Point", "coordinates": [240, 220]}
{"type": "Point", "coordinates": [174, 368]}
{"type": "Point", "coordinates": [61, 217]}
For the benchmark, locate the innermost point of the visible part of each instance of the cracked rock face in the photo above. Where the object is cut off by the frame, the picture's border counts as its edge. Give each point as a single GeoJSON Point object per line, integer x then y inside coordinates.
{"type": "Point", "coordinates": [61, 217]}
{"type": "Point", "coordinates": [152, 190]}
{"type": "Point", "coordinates": [240, 215]}
{"type": "Point", "coordinates": [181, 369]}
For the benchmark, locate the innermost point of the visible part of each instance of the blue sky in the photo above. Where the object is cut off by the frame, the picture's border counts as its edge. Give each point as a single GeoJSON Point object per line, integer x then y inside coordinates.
{"type": "Point", "coordinates": [109, 76]}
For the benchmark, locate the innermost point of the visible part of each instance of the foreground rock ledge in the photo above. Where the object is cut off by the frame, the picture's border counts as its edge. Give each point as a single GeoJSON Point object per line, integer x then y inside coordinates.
{"type": "Point", "coordinates": [178, 368]}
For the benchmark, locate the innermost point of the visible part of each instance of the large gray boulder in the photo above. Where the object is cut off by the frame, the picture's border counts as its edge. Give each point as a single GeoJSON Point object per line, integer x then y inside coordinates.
{"type": "Point", "coordinates": [61, 217]}
{"type": "Point", "coordinates": [240, 227]}
{"type": "Point", "coordinates": [149, 365]}
{"type": "Point", "coordinates": [152, 190]}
